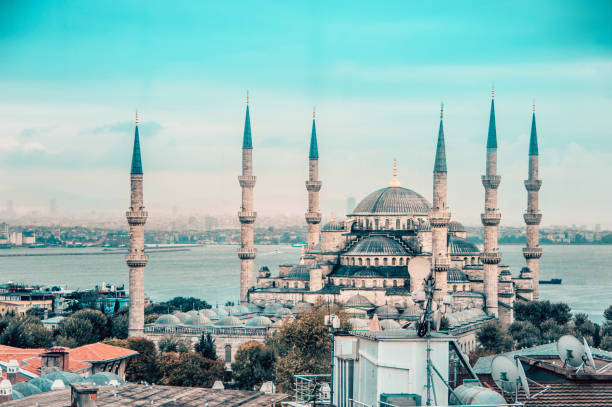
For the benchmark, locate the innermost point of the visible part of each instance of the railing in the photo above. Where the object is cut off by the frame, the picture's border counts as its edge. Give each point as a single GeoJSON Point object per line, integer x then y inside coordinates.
{"type": "Point", "coordinates": [355, 403]}
{"type": "Point", "coordinates": [213, 330]}
{"type": "Point", "coordinates": [313, 388]}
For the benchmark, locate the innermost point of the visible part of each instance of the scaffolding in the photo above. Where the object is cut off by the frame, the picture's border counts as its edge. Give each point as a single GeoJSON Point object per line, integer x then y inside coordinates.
{"type": "Point", "coordinates": [313, 389]}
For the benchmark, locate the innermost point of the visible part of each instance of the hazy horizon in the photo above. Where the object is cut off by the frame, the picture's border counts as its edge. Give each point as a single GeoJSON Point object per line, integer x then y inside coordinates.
{"type": "Point", "coordinates": [72, 76]}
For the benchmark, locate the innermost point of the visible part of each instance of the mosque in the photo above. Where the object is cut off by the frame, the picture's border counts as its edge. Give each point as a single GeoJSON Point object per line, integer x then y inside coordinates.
{"type": "Point", "coordinates": [375, 261]}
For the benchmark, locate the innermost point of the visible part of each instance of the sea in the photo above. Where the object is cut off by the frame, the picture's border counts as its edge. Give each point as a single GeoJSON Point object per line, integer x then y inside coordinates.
{"type": "Point", "coordinates": [212, 272]}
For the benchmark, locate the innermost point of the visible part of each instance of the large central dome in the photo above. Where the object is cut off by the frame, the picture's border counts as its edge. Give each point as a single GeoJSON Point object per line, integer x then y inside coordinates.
{"type": "Point", "coordinates": [393, 201]}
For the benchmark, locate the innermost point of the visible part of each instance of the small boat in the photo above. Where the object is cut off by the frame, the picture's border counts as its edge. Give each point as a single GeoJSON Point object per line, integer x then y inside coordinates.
{"type": "Point", "coordinates": [552, 281]}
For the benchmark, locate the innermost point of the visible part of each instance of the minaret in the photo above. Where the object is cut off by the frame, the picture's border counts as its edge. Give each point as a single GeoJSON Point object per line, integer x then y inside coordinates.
{"type": "Point", "coordinates": [136, 258]}
{"type": "Point", "coordinates": [440, 217]}
{"type": "Point", "coordinates": [491, 217]}
{"type": "Point", "coordinates": [247, 251]}
{"type": "Point", "coordinates": [533, 217]}
{"type": "Point", "coordinates": [313, 186]}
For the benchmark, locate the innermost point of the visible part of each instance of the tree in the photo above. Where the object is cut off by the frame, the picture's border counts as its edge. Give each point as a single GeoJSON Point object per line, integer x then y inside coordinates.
{"type": "Point", "coordinates": [141, 368]}
{"type": "Point", "coordinates": [189, 369]}
{"type": "Point", "coordinates": [253, 365]}
{"type": "Point", "coordinates": [606, 343]}
{"type": "Point", "coordinates": [584, 328]}
{"type": "Point", "coordinates": [303, 345]}
{"type": "Point", "coordinates": [173, 343]}
{"type": "Point", "coordinates": [492, 337]}
{"type": "Point", "coordinates": [206, 347]}
{"type": "Point", "coordinates": [608, 314]}
{"type": "Point", "coordinates": [98, 321]}
{"type": "Point", "coordinates": [120, 322]}
{"type": "Point", "coordinates": [186, 304]}
{"type": "Point", "coordinates": [537, 312]}
{"type": "Point", "coordinates": [26, 332]}
{"type": "Point", "coordinates": [116, 307]}
{"type": "Point", "coordinates": [525, 334]}
{"type": "Point", "coordinates": [74, 332]}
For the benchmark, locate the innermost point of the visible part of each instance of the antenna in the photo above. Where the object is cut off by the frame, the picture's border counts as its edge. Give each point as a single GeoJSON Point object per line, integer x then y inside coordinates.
{"type": "Point", "coordinates": [571, 351]}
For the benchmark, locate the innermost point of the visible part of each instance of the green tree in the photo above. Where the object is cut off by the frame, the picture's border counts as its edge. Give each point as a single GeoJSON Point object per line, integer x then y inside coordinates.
{"type": "Point", "coordinates": [186, 304]}
{"type": "Point", "coordinates": [99, 323]}
{"type": "Point", "coordinates": [116, 307]}
{"type": "Point", "coordinates": [524, 334]}
{"type": "Point", "coordinates": [74, 332]}
{"type": "Point", "coordinates": [173, 343]}
{"type": "Point", "coordinates": [584, 328]}
{"type": "Point", "coordinates": [26, 332]}
{"type": "Point", "coordinates": [253, 365]}
{"type": "Point", "coordinates": [608, 314]}
{"type": "Point", "coordinates": [606, 343]}
{"type": "Point", "coordinates": [492, 337]}
{"type": "Point", "coordinates": [551, 331]}
{"type": "Point", "coordinates": [141, 368]}
{"type": "Point", "coordinates": [189, 369]}
{"type": "Point", "coordinates": [120, 322]}
{"type": "Point", "coordinates": [537, 312]}
{"type": "Point", "coordinates": [206, 347]}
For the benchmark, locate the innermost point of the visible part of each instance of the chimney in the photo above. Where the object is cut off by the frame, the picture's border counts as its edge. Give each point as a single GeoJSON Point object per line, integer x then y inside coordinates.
{"type": "Point", "coordinates": [56, 358]}
{"type": "Point", "coordinates": [83, 395]}
{"type": "Point", "coordinates": [6, 391]}
{"type": "Point", "coordinates": [11, 371]}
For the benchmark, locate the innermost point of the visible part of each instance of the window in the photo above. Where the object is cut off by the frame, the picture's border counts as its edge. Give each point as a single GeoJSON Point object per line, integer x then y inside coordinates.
{"type": "Point", "coordinates": [360, 261]}
{"type": "Point", "coordinates": [367, 261]}
{"type": "Point", "coordinates": [376, 261]}
{"type": "Point", "coordinates": [394, 283]}
{"type": "Point", "coordinates": [398, 224]}
{"type": "Point", "coordinates": [393, 261]}
{"type": "Point", "coordinates": [384, 261]}
{"type": "Point", "coordinates": [228, 353]}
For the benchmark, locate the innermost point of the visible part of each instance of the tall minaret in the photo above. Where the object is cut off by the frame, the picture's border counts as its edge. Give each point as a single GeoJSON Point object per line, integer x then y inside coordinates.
{"type": "Point", "coordinates": [533, 217]}
{"type": "Point", "coordinates": [313, 186]}
{"type": "Point", "coordinates": [247, 251]}
{"type": "Point", "coordinates": [491, 217]}
{"type": "Point", "coordinates": [136, 258]}
{"type": "Point", "coordinates": [440, 217]}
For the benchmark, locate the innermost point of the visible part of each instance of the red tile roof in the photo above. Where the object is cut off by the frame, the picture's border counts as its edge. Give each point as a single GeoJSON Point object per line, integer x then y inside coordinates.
{"type": "Point", "coordinates": [99, 352]}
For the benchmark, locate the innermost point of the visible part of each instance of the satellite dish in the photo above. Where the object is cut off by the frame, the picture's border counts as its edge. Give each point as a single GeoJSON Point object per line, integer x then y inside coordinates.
{"type": "Point", "coordinates": [522, 377]}
{"type": "Point", "coordinates": [505, 373]}
{"type": "Point", "coordinates": [589, 355]}
{"type": "Point", "coordinates": [571, 351]}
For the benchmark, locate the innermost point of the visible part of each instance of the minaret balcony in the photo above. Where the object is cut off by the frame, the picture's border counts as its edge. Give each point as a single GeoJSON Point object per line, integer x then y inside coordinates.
{"type": "Point", "coordinates": [491, 218]}
{"type": "Point", "coordinates": [532, 252]}
{"type": "Point", "coordinates": [491, 181]}
{"type": "Point", "coordinates": [313, 186]}
{"type": "Point", "coordinates": [532, 218]}
{"type": "Point", "coordinates": [247, 181]}
{"type": "Point", "coordinates": [441, 264]}
{"type": "Point", "coordinates": [313, 218]}
{"type": "Point", "coordinates": [439, 219]}
{"type": "Point", "coordinates": [247, 216]}
{"type": "Point", "coordinates": [136, 259]}
{"type": "Point", "coordinates": [490, 257]}
{"type": "Point", "coordinates": [136, 217]}
{"type": "Point", "coordinates": [533, 184]}
{"type": "Point", "coordinates": [247, 253]}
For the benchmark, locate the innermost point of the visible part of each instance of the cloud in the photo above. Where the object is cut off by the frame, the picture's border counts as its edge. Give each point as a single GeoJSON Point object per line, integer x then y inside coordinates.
{"type": "Point", "coordinates": [147, 129]}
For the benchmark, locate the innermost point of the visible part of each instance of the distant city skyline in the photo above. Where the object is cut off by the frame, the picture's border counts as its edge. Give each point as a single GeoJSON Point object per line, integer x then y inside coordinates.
{"type": "Point", "coordinates": [73, 76]}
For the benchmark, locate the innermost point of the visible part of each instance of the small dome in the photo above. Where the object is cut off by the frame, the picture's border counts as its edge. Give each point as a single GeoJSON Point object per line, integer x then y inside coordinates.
{"type": "Point", "coordinates": [299, 272]}
{"type": "Point", "coordinates": [67, 377]}
{"type": "Point", "coordinates": [458, 246]}
{"type": "Point", "coordinates": [181, 316]}
{"type": "Point", "coordinates": [221, 312]}
{"type": "Point", "coordinates": [358, 301]}
{"type": "Point", "coordinates": [387, 324]}
{"type": "Point", "coordinates": [455, 226]}
{"type": "Point", "coordinates": [333, 226]}
{"type": "Point", "coordinates": [303, 307]}
{"type": "Point", "coordinates": [229, 321]}
{"type": "Point", "coordinates": [16, 395]}
{"type": "Point", "coordinates": [358, 324]}
{"type": "Point", "coordinates": [243, 309]}
{"type": "Point", "coordinates": [5, 385]}
{"type": "Point", "coordinates": [283, 312]}
{"type": "Point", "coordinates": [168, 319]}
{"type": "Point", "coordinates": [253, 308]}
{"type": "Point", "coordinates": [208, 313]}
{"type": "Point", "coordinates": [455, 275]}
{"type": "Point", "coordinates": [386, 311]}
{"type": "Point", "coordinates": [393, 201]}
{"type": "Point", "coordinates": [192, 312]}
{"type": "Point", "coordinates": [272, 308]}
{"type": "Point", "coordinates": [259, 321]}
{"type": "Point", "coordinates": [378, 245]}
{"type": "Point", "coordinates": [412, 311]}
{"type": "Point", "coordinates": [197, 320]}
{"type": "Point", "coordinates": [43, 384]}
{"type": "Point", "coordinates": [104, 378]}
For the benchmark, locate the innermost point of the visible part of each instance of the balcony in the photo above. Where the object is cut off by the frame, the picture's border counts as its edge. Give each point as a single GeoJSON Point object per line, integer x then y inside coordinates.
{"type": "Point", "coordinates": [313, 217]}
{"type": "Point", "coordinates": [247, 181]}
{"type": "Point", "coordinates": [246, 253]}
{"type": "Point", "coordinates": [136, 259]}
{"type": "Point", "coordinates": [441, 264]}
{"type": "Point", "coordinates": [313, 186]}
{"type": "Point", "coordinates": [491, 181]}
{"type": "Point", "coordinates": [136, 217]}
{"type": "Point", "coordinates": [491, 218]}
{"type": "Point", "coordinates": [532, 252]}
{"type": "Point", "coordinates": [490, 257]}
{"type": "Point", "coordinates": [247, 216]}
{"type": "Point", "coordinates": [533, 184]}
{"type": "Point", "coordinates": [532, 218]}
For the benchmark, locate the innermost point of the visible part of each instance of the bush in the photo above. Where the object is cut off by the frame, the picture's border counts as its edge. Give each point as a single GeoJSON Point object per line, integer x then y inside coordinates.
{"type": "Point", "coordinates": [253, 365]}
{"type": "Point", "coordinates": [492, 337]}
{"type": "Point", "coordinates": [206, 347]}
{"type": "Point", "coordinates": [173, 343]}
{"type": "Point", "coordinates": [141, 368]}
{"type": "Point", "coordinates": [26, 332]}
{"type": "Point", "coordinates": [190, 369]}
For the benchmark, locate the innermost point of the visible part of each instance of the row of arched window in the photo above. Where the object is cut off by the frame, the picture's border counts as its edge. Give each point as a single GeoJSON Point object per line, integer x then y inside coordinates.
{"type": "Point", "coordinates": [362, 283]}
{"type": "Point", "coordinates": [384, 223]}
{"type": "Point", "coordinates": [368, 261]}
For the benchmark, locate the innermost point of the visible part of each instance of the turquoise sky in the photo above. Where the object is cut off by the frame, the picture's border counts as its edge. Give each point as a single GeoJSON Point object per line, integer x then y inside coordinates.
{"type": "Point", "coordinates": [72, 74]}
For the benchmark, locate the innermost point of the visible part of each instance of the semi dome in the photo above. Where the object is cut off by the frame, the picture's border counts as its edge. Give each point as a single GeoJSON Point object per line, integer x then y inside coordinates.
{"type": "Point", "coordinates": [455, 226]}
{"type": "Point", "coordinates": [333, 226]}
{"type": "Point", "coordinates": [378, 245]}
{"type": "Point", "coordinates": [27, 389]}
{"type": "Point", "coordinates": [358, 301]}
{"type": "Point", "coordinates": [299, 272]}
{"type": "Point", "coordinates": [455, 275]}
{"type": "Point", "coordinates": [458, 246]}
{"type": "Point", "coordinates": [386, 311]}
{"type": "Point", "coordinates": [229, 321]}
{"type": "Point", "coordinates": [283, 312]}
{"type": "Point", "coordinates": [393, 201]}
{"type": "Point", "coordinates": [42, 383]}
{"type": "Point", "coordinates": [259, 321]}
{"type": "Point", "coordinates": [168, 319]}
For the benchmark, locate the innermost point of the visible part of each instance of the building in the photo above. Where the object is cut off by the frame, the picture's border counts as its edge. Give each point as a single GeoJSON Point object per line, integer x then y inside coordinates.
{"type": "Point", "coordinates": [20, 301]}
{"type": "Point", "coordinates": [379, 256]}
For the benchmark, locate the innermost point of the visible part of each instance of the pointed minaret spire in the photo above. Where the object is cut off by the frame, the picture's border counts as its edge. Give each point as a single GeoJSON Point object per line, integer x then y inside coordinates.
{"type": "Point", "coordinates": [492, 136]}
{"type": "Point", "coordinates": [440, 161]}
{"type": "Point", "coordinates": [247, 141]}
{"type": "Point", "coordinates": [136, 158]}
{"type": "Point", "coordinates": [533, 139]}
{"type": "Point", "coordinates": [314, 148]}
{"type": "Point", "coordinates": [394, 181]}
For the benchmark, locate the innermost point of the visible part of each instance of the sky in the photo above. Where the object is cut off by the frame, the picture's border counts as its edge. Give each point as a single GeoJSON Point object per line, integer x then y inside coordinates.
{"type": "Point", "coordinates": [72, 75]}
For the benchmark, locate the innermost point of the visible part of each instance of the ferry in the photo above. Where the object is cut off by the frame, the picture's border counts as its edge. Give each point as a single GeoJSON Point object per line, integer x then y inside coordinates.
{"type": "Point", "coordinates": [552, 281]}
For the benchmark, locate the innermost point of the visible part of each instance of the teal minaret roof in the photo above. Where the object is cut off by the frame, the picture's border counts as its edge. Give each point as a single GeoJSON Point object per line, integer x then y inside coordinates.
{"type": "Point", "coordinates": [247, 141]}
{"type": "Point", "coordinates": [492, 137]}
{"type": "Point", "coordinates": [533, 139]}
{"type": "Point", "coordinates": [440, 162]}
{"type": "Point", "coordinates": [314, 149]}
{"type": "Point", "coordinates": [136, 159]}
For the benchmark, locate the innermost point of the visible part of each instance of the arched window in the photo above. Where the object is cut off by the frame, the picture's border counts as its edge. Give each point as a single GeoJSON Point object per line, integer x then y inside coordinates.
{"type": "Point", "coordinates": [454, 288]}
{"type": "Point", "coordinates": [367, 261]}
{"type": "Point", "coordinates": [394, 283]}
{"type": "Point", "coordinates": [393, 261]}
{"type": "Point", "coordinates": [306, 286]}
{"type": "Point", "coordinates": [273, 284]}
{"type": "Point", "coordinates": [362, 283]}
{"type": "Point", "coordinates": [228, 353]}
{"type": "Point", "coordinates": [473, 260]}
{"type": "Point", "coordinates": [387, 223]}
{"type": "Point", "coordinates": [384, 261]}
{"type": "Point", "coordinates": [398, 224]}
{"type": "Point", "coordinates": [401, 261]}
{"type": "Point", "coordinates": [465, 259]}
{"type": "Point", "coordinates": [384, 283]}
{"type": "Point", "coordinates": [376, 223]}
{"type": "Point", "coordinates": [360, 261]}
{"type": "Point", "coordinates": [376, 261]}
{"type": "Point", "coordinates": [353, 283]}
